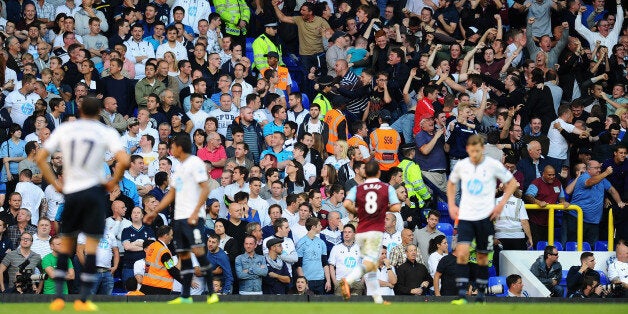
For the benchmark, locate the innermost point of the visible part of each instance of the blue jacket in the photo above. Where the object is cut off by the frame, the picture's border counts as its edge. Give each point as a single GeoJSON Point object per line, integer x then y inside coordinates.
{"type": "Point", "coordinates": [526, 167]}
{"type": "Point", "coordinates": [221, 259]}
{"type": "Point", "coordinates": [250, 271]}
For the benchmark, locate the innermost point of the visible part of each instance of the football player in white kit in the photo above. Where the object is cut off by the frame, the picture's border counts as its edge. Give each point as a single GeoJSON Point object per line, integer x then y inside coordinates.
{"type": "Point", "coordinates": [477, 177]}
{"type": "Point", "coordinates": [83, 144]}
{"type": "Point", "coordinates": [189, 189]}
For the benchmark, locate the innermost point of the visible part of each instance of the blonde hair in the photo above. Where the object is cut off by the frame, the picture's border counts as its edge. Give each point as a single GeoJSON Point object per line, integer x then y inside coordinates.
{"type": "Point", "coordinates": [344, 146]}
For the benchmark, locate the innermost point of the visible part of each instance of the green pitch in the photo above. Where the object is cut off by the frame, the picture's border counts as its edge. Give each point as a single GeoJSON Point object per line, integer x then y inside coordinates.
{"type": "Point", "coordinates": [323, 308]}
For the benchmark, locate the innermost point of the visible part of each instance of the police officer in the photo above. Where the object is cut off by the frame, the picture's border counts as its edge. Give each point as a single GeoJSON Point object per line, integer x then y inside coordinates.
{"type": "Point", "coordinates": [264, 44]}
{"type": "Point", "coordinates": [417, 190]}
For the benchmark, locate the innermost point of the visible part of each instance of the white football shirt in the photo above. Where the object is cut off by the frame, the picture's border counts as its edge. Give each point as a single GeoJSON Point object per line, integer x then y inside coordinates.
{"type": "Point", "coordinates": [186, 184]}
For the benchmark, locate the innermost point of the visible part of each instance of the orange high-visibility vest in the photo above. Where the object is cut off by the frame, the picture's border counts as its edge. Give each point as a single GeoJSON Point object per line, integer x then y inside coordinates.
{"type": "Point", "coordinates": [356, 142]}
{"type": "Point", "coordinates": [283, 74]}
{"type": "Point", "coordinates": [385, 143]}
{"type": "Point", "coordinates": [157, 275]}
{"type": "Point", "coordinates": [333, 118]}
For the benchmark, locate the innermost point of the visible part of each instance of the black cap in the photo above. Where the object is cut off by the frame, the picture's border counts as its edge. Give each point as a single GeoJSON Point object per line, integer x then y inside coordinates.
{"type": "Point", "coordinates": [336, 35]}
{"type": "Point", "coordinates": [272, 54]}
{"type": "Point", "coordinates": [325, 80]}
{"type": "Point", "coordinates": [385, 114]}
{"type": "Point", "coordinates": [407, 146]}
{"type": "Point", "coordinates": [273, 241]}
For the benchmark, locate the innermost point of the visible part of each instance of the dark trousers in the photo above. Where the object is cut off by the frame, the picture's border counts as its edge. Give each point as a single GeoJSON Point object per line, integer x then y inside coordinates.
{"type": "Point", "coordinates": [307, 63]}
{"type": "Point", "coordinates": [539, 233]}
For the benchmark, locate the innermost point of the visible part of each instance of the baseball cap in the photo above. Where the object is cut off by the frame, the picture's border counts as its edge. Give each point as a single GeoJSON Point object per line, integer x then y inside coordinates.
{"type": "Point", "coordinates": [273, 241]}
{"type": "Point", "coordinates": [272, 54]}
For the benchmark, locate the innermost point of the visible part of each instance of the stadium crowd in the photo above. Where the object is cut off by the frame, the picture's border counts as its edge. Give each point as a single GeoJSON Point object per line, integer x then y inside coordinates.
{"type": "Point", "coordinates": [285, 101]}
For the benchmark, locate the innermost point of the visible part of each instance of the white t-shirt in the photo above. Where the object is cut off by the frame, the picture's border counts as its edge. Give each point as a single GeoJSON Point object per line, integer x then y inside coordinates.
{"type": "Point", "coordinates": [391, 240]}
{"type": "Point", "coordinates": [298, 232]}
{"type": "Point", "coordinates": [22, 106]}
{"type": "Point", "coordinates": [41, 247]}
{"type": "Point", "coordinates": [198, 119]}
{"type": "Point", "coordinates": [129, 141]}
{"type": "Point", "coordinates": [344, 258]}
{"type": "Point", "coordinates": [54, 199]}
{"type": "Point", "coordinates": [225, 118]}
{"type": "Point", "coordinates": [558, 145]}
{"type": "Point", "coordinates": [508, 225]}
{"type": "Point", "coordinates": [186, 184]}
{"type": "Point", "coordinates": [233, 188]}
{"type": "Point", "coordinates": [478, 186]}
{"type": "Point", "coordinates": [261, 206]}
{"type": "Point", "coordinates": [115, 227]}
{"type": "Point", "coordinates": [104, 253]}
{"type": "Point", "coordinates": [140, 180]}
{"type": "Point", "coordinates": [179, 51]}
{"type": "Point", "coordinates": [83, 143]}
{"type": "Point", "coordinates": [32, 195]}
{"type": "Point", "coordinates": [619, 270]}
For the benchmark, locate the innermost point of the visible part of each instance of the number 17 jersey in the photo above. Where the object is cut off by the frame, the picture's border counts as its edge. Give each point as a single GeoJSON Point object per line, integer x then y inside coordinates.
{"type": "Point", "coordinates": [372, 199]}
{"type": "Point", "coordinates": [83, 144]}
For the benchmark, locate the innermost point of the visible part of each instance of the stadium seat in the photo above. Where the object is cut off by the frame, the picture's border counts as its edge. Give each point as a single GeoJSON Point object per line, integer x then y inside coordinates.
{"type": "Point", "coordinates": [573, 246]}
{"type": "Point", "coordinates": [540, 246]}
{"type": "Point", "coordinates": [499, 280]}
{"type": "Point", "coordinates": [444, 213]}
{"type": "Point", "coordinates": [445, 228]}
{"type": "Point", "coordinates": [603, 279]}
{"type": "Point", "coordinates": [294, 87]}
{"type": "Point", "coordinates": [563, 280]}
{"type": "Point", "coordinates": [601, 246]}
{"type": "Point", "coordinates": [305, 101]}
{"type": "Point", "coordinates": [492, 272]}
{"type": "Point", "coordinates": [249, 44]}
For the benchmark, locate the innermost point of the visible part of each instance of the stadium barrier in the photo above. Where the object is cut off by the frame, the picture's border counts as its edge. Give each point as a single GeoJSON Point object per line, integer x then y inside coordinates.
{"type": "Point", "coordinates": [550, 208]}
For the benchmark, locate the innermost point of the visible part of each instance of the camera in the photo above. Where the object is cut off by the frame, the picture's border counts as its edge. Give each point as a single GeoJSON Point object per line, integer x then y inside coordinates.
{"type": "Point", "coordinates": [25, 278]}
{"type": "Point", "coordinates": [612, 290]}
{"type": "Point", "coordinates": [495, 289]}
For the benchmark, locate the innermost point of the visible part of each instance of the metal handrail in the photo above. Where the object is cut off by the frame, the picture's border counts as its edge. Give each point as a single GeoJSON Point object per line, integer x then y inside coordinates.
{"type": "Point", "coordinates": [550, 223]}
{"type": "Point", "coordinates": [611, 229]}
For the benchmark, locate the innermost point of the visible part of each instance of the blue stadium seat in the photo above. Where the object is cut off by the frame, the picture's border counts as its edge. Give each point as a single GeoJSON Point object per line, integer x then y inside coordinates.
{"type": "Point", "coordinates": [445, 228]}
{"type": "Point", "coordinates": [573, 246]}
{"type": "Point", "coordinates": [540, 246]}
{"type": "Point", "coordinates": [444, 213]}
{"type": "Point", "coordinates": [305, 100]}
{"type": "Point", "coordinates": [601, 246]}
{"type": "Point", "coordinates": [492, 272]}
{"type": "Point", "coordinates": [563, 281]}
{"type": "Point", "coordinates": [603, 279]}
{"type": "Point", "coordinates": [249, 44]}
{"type": "Point", "coordinates": [294, 87]}
{"type": "Point", "coordinates": [499, 280]}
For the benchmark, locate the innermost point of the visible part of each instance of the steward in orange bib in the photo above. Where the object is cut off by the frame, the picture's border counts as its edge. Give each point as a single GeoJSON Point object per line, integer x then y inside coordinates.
{"type": "Point", "coordinates": [337, 124]}
{"type": "Point", "coordinates": [385, 143]}
{"type": "Point", "coordinates": [161, 269]}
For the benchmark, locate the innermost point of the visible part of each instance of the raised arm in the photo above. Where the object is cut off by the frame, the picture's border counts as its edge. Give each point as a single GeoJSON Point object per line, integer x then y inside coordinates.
{"type": "Point", "coordinates": [282, 17]}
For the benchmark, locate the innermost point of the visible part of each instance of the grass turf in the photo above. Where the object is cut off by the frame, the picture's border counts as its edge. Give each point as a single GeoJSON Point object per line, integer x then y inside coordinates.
{"type": "Point", "coordinates": [321, 308]}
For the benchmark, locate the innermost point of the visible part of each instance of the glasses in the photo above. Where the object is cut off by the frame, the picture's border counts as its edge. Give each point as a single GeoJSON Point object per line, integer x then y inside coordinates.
{"type": "Point", "coordinates": [26, 239]}
{"type": "Point", "coordinates": [552, 254]}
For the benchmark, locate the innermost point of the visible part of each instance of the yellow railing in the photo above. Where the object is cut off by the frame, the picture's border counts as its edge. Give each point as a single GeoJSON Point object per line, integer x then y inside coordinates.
{"type": "Point", "coordinates": [550, 222]}
{"type": "Point", "coordinates": [611, 230]}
